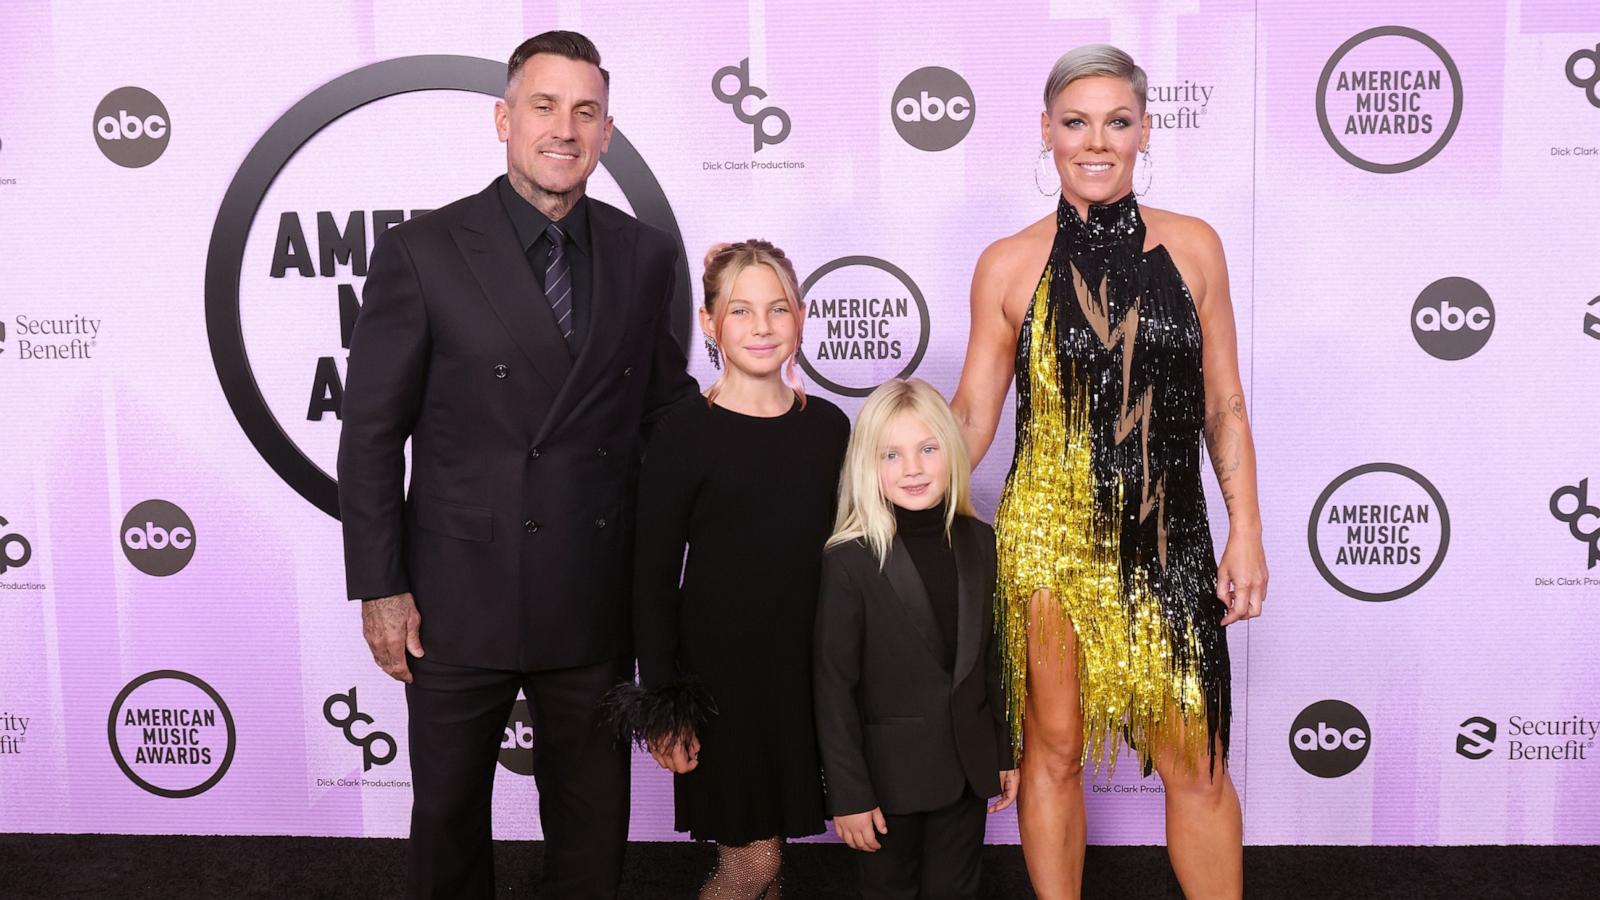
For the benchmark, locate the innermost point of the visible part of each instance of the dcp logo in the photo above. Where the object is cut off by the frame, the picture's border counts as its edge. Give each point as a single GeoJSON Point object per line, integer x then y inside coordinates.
{"type": "Point", "coordinates": [1570, 504]}
{"type": "Point", "coordinates": [1591, 323]}
{"type": "Point", "coordinates": [158, 538]}
{"type": "Point", "coordinates": [516, 745]}
{"type": "Point", "coordinates": [1476, 738]}
{"type": "Point", "coordinates": [1452, 318]}
{"type": "Point", "coordinates": [15, 551]}
{"type": "Point", "coordinates": [1330, 738]}
{"type": "Point", "coordinates": [736, 98]}
{"type": "Point", "coordinates": [346, 723]}
{"type": "Point", "coordinates": [132, 127]}
{"type": "Point", "coordinates": [933, 108]}
{"type": "Point", "coordinates": [1592, 81]}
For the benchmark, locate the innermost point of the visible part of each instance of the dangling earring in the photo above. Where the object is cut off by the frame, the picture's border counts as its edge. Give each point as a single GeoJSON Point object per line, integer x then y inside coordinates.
{"type": "Point", "coordinates": [1039, 166]}
{"type": "Point", "coordinates": [714, 354]}
{"type": "Point", "coordinates": [1149, 173]}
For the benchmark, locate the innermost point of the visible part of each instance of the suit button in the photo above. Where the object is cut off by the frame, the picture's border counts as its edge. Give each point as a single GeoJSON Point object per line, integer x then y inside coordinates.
{"type": "Point", "coordinates": [501, 370]}
{"type": "Point", "coordinates": [534, 453]}
{"type": "Point", "coordinates": [599, 523]}
{"type": "Point", "coordinates": [530, 526]}
{"type": "Point", "coordinates": [628, 371]}
{"type": "Point", "coordinates": [600, 452]}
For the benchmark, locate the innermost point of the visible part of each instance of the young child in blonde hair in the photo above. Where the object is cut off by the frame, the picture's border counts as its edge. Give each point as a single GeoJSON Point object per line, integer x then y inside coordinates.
{"type": "Point", "coordinates": [910, 715]}
{"type": "Point", "coordinates": [745, 478]}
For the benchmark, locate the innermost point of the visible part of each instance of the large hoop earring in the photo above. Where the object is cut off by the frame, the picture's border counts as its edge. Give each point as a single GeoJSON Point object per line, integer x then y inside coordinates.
{"type": "Point", "coordinates": [1038, 166]}
{"type": "Point", "coordinates": [1149, 171]}
{"type": "Point", "coordinates": [714, 354]}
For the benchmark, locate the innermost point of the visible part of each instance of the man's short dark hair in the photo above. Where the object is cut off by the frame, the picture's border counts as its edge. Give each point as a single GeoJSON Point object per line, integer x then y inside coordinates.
{"type": "Point", "coordinates": [569, 44]}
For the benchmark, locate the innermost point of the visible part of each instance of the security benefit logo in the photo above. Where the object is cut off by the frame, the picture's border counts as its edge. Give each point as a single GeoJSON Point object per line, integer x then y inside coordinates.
{"type": "Point", "coordinates": [293, 238]}
{"type": "Point", "coordinates": [1570, 505]}
{"type": "Point", "coordinates": [1330, 738]}
{"type": "Point", "coordinates": [13, 732]}
{"type": "Point", "coordinates": [933, 108]}
{"type": "Point", "coordinates": [1452, 318]}
{"type": "Point", "coordinates": [1379, 532]}
{"type": "Point", "coordinates": [1389, 99]}
{"type": "Point", "coordinates": [54, 338]}
{"type": "Point", "coordinates": [866, 322]}
{"type": "Point", "coordinates": [171, 734]}
{"type": "Point", "coordinates": [131, 127]}
{"type": "Point", "coordinates": [158, 538]}
{"type": "Point", "coordinates": [1528, 739]}
{"type": "Point", "coordinates": [516, 744]}
{"type": "Point", "coordinates": [1591, 321]}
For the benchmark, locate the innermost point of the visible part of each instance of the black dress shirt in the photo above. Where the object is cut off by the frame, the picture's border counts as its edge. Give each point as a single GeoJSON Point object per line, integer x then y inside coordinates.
{"type": "Point", "coordinates": [530, 224]}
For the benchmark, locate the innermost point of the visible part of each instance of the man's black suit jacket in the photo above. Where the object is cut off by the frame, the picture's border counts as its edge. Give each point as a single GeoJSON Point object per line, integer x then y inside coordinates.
{"type": "Point", "coordinates": [897, 729]}
{"type": "Point", "coordinates": [515, 538]}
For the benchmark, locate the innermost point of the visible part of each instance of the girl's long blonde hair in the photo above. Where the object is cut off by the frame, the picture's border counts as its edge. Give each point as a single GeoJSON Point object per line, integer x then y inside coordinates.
{"type": "Point", "coordinates": [864, 512]}
{"type": "Point", "coordinates": [723, 264]}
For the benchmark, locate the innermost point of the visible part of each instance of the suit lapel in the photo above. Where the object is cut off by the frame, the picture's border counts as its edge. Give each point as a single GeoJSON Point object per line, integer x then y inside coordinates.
{"type": "Point", "coordinates": [970, 598]}
{"type": "Point", "coordinates": [611, 284]}
{"type": "Point", "coordinates": [913, 597]}
{"type": "Point", "coordinates": [489, 245]}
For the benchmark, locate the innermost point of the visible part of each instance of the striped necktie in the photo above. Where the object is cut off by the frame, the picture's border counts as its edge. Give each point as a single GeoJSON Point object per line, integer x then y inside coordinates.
{"type": "Point", "coordinates": [558, 280]}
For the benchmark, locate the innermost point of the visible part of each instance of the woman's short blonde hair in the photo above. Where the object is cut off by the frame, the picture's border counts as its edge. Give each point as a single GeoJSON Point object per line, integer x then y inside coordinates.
{"type": "Point", "coordinates": [1090, 61]}
{"type": "Point", "coordinates": [864, 512]}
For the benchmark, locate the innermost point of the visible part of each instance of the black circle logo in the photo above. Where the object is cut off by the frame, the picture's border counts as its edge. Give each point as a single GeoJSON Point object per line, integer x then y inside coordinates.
{"type": "Point", "coordinates": [1388, 108]}
{"type": "Point", "coordinates": [1379, 534]}
{"type": "Point", "coordinates": [1330, 738]}
{"type": "Point", "coordinates": [132, 127]}
{"type": "Point", "coordinates": [872, 328]}
{"type": "Point", "coordinates": [179, 731]}
{"type": "Point", "coordinates": [932, 109]}
{"type": "Point", "coordinates": [1452, 318]}
{"type": "Point", "coordinates": [158, 538]}
{"type": "Point", "coordinates": [319, 109]}
{"type": "Point", "coordinates": [516, 745]}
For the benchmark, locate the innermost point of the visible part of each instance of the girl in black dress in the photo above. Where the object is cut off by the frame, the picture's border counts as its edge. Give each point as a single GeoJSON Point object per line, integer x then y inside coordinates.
{"type": "Point", "coordinates": [745, 477]}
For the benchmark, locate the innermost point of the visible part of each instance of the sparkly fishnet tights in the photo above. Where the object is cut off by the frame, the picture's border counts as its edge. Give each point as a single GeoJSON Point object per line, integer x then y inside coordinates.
{"type": "Point", "coordinates": [748, 872]}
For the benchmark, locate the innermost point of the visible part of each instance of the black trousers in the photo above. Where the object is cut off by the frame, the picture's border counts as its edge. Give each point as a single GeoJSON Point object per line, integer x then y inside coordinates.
{"type": "Point", "coordinates": [457, 722]}
{"type": "Point", "coordinates": [928, 856]}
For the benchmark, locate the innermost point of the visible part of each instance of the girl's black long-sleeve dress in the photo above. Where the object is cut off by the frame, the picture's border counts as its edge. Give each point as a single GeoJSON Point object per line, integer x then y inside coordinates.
{"type": "Point", "coordinates": [752, 499]}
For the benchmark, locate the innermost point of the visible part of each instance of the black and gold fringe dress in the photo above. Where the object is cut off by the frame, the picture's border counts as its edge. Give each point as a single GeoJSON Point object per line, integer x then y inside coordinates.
{"type": "Point", "coordinates": [1104, 506]}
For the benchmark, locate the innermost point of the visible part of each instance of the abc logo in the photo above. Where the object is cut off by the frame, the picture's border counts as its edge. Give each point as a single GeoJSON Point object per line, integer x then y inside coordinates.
{"type": "Point", "coordinates": [1452, 318]}
{"type": "Point", "coordinates": [132, 127]}
{"type": "Point", "coordinates": [516, 744]}
{"type": "Point", "coordinates": [1330, 738]}
{"type": "Point", "coordinates": [158, 538]}
{"type": "Point", "coordinates": [933, 109]}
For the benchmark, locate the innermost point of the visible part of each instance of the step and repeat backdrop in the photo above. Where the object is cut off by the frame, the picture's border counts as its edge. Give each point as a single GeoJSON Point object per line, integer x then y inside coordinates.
{"type": "Point", "coordinates": [1407, 198]}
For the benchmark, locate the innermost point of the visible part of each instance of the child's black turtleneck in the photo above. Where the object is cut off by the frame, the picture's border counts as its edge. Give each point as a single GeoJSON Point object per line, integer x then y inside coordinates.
{"type": "Point", "coordinates": [922, 530]}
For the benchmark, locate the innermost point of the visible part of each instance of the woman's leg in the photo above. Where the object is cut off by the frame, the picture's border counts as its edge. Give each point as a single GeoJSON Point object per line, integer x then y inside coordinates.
{"type": "Point", "coordinates": [746, 872]}
{"type": "Point", "coordinates": [1050, 799]}
{"type": "Point", "coordinates": [1205, 830]}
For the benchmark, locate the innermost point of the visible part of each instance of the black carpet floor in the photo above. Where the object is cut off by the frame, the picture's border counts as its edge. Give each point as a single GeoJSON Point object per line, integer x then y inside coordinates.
{"type": "Point", "coordinates": [113, 866]}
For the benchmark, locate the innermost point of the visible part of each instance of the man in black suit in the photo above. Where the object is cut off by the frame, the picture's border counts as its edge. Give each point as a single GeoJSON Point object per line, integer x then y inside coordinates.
{"type": "Point", "coordinates": [520, 338]}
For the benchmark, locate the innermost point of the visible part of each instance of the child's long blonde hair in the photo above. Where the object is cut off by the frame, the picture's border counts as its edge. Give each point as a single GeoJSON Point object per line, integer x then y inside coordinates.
{"type": "Point", "coordinates": [864, 512]}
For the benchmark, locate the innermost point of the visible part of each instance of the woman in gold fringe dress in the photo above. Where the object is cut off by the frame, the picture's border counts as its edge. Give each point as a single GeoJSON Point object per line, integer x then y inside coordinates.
{"type": "Point", "coordinates": [1111, 603]}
